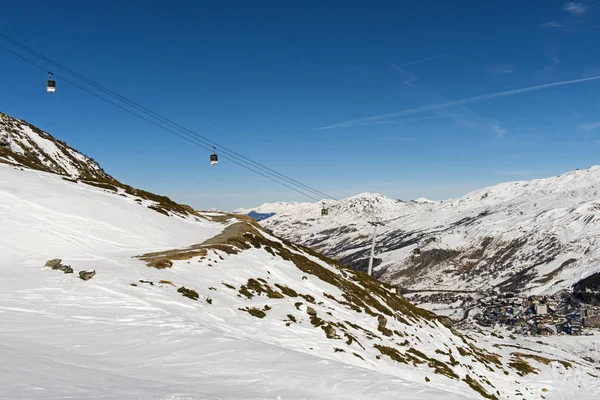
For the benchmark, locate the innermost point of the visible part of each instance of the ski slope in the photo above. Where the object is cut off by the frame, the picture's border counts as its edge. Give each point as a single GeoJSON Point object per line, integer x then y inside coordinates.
{"type": "Point", "coordinates": [129, 333]}
{"type": "Point", "coordinates": [62, 337]}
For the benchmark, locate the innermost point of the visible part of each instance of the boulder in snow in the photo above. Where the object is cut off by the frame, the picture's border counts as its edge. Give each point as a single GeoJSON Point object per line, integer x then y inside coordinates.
{"type": "Point", "coordinates": [55, 262]}
{"type": "Point", "coordinates": [87, 275]}
{"type": "Point", "coordinates": [64, 268]}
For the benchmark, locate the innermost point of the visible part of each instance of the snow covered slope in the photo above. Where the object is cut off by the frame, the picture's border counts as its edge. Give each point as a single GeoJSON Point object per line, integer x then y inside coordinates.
{"type": "Point", "coordinates": [23, 144]}
{"type": "Point", "coordinates": [214, 307]}
{"type": "Point", "coordinates": [26, 146]}
{"type": "Point", "coordinates": [534, 237]}
{"type": "Point", "coordinates": [267, 208]}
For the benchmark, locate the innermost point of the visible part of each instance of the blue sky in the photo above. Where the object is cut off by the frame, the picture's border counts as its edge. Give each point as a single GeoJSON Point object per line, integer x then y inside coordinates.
{"type": "Point", "coordinates": [346, 97]}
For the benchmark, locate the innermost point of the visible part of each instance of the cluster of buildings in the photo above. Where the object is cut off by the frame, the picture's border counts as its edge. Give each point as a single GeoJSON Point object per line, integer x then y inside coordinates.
{"type": "Point", "coordinates": [538, 315]}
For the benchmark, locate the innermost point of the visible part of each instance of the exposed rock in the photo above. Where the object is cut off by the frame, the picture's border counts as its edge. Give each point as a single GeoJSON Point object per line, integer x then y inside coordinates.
{"type": "Point", "coordinates": [87, 275]}
{"type": "Point", "coordinates": [64, 268]}
{"type": "Point", "coordinates": [381, 325]}
{"type": "Point", "coordinates": [329, 331]}
{"type": "Point", "coordinates": [55, 262]}
{"type": "Point", "coordinates": [56, 265]}
{"type": "Point", "coordinates": [311, 311]}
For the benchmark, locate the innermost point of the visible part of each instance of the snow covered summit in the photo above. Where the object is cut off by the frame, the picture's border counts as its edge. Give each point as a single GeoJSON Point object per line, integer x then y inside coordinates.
{"type": "Point", "coordinates": [533, 237]}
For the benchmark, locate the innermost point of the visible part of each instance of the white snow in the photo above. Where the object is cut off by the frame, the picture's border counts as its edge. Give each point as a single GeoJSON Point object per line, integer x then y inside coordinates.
{"type": "Point", "coordinates": [61, 337]}
{"type": "Point", "coordinates": [423, 200]}
{"type": "Point", "coordinates": [557, 217]}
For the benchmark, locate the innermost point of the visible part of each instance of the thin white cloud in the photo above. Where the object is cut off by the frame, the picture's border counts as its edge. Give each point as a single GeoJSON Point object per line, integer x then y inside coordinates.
{"type": "Point", "coordinates": [575, 8]}
{"type": "Point", "coordinates": [553, 24]}
{"type": "Point", "coordinates": [393, 121]}
{"type": "Point", "coordinates": [588, 127]}
{"type": "Point", "coordinates": [501, 70]}
{"type": "Point", "coordinates": [410, 79]}
{"type": "Point", "coordinates": [467, 100]}
{"type": "Point", "coordinates": [472, 120]}
{"type": "Point", "coordinates": [498, 130]}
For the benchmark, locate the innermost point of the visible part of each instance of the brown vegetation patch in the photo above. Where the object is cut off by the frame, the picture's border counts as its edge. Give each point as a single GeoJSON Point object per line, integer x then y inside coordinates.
{"type": "Point", "coordinates": [287, 290]}
{"type": "Point", "coordinates": [521, 366]}
{"type": "Point", "coordinates": [391, 353]}
{"type": "Point", "coordinates": [255, 312]}
{"type": "Point", "coordinates": [189, 293]}
{"type": "Point", "coordinates": [542, 360]}
{"type": "Point", "coordinates": [160, 263]}
{"type": "Point", "coordinates": [476, 386]}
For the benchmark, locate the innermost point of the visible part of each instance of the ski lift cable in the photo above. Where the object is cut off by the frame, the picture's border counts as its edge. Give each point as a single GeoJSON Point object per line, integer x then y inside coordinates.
{"type": "Point", "coordinates": [191, 140]}
{"type": "Point", "coordinates": [170, 122]}
{"type": "Point", "coordinates": [167, 121]}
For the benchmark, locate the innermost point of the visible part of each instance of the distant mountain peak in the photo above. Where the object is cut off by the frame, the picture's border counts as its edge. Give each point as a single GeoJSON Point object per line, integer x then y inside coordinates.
{"type": "Point", "coordinates": [514, 236]}
{"type": "Point", "coordinates": [424, 200]}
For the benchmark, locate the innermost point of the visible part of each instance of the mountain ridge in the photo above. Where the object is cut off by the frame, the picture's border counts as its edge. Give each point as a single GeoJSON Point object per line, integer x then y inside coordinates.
{"type": "Point", "coordinates": [514, 236]}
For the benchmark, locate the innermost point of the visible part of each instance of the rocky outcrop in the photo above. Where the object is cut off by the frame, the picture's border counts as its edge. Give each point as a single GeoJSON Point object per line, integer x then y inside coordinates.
{"type": "Point", "coordinates": [53, 263]}
{"type": "Point", "coordinates": [87, 275]}
{"type": "Point", "coordinates": [56, 264]}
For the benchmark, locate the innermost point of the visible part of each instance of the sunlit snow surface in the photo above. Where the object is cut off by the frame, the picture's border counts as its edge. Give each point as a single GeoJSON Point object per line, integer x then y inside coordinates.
{"type": "Point", "coordinates": [61, 337]}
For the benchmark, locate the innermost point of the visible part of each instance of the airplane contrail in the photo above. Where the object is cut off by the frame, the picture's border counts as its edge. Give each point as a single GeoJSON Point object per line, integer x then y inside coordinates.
{"type": "Point", "coordinates": [452, 103]}
{"type": "Point", "coordinates": [431, 58]}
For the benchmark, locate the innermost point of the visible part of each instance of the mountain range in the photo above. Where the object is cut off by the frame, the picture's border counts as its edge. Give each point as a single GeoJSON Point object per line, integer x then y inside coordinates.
{"type": "Point", "coordinates": [530, 237]}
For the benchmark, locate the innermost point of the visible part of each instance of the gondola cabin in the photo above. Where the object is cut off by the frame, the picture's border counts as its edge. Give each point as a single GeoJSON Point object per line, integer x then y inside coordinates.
{"type": "Point", "coordinates": [51, 84]}
{"type": "Point", "coordinates": [214, 158]}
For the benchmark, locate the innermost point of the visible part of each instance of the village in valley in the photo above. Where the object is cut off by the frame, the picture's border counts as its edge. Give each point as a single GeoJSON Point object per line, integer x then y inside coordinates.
{"type": "Point", "coordinates": [563, 313]}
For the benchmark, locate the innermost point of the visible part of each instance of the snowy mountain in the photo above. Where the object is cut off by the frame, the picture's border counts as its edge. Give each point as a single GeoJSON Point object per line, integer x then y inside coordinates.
{"type": "Point", "coordinates": [23, 144]}
{"type": "Point", "coordinates": [272, 208]}
{"type": "Point", "coordinates": [533, 237]}
{"type": "Point", "coordinates": [209, 305]}
{"type": "Point", "coordinates": [26, 146]}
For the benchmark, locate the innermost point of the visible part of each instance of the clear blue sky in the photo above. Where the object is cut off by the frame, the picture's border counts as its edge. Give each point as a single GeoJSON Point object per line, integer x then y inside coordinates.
{"type": "Point", "coordinates": [336, 94]}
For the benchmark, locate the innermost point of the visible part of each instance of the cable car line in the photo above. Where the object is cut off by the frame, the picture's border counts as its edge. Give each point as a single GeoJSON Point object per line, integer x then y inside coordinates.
{"type": "Point", "coordinates": [169, 122]}
{"type": "Point", "coordinates": [191, 140]}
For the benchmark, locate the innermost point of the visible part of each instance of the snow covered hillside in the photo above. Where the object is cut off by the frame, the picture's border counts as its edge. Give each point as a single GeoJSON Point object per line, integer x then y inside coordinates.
{"type": "Point", "coordinates": [532, 237]}
{"type": "Point", "coordinates": [23, 144]}
{"type": "Point", "coordinates": [112, 292]}
{"type": "Point", "coordinates": [237, 314]}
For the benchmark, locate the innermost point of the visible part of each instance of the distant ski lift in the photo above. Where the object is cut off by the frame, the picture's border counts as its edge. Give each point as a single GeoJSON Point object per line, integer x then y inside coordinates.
{"type": "Point", "coordinates": [51, 84]}
{"type": "Point", "coordinates": [214, 158]}
{"type": "Point", "coordinates": [324, 211]}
